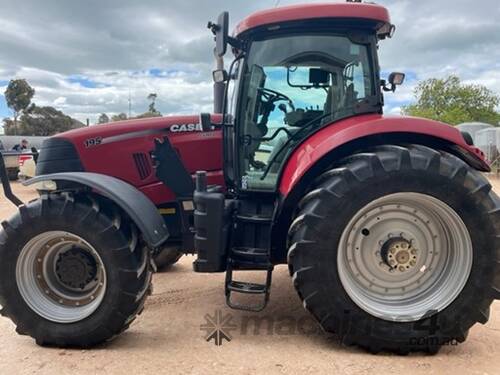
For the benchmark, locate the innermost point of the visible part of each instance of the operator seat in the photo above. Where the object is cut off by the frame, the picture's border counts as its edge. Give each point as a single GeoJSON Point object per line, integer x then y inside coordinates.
{"type": "Point", "coordinates": [254, 132]}
{"type": "Point", "coordinates": [333, 99]}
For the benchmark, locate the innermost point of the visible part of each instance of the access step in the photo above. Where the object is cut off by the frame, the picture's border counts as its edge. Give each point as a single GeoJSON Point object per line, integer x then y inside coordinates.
{"type": "Point", "coordinates": [255, 219]}
{"type": "Point", "coordinates": [246, 258]}
{"type": "Point", "coordinates": [233, 286]}
{"type": "Point", "coordinates": [246, 288]}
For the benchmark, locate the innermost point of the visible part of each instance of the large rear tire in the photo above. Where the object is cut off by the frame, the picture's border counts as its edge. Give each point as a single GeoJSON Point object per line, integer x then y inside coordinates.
{"type": "Point", "coordinates": [397, 249]}
{"type": "Point", "coordinates": [72, 271]}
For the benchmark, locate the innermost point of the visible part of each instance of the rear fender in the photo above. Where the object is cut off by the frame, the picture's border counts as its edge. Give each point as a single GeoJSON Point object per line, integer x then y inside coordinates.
{"type": "Point", "coordinates": [363, 128]}
{"type": "Point", "coordinates": [133, 202]}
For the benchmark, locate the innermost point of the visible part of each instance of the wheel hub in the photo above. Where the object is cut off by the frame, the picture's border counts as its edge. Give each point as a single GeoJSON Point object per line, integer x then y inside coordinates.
{"type": "Point", "coordinates": [76, 268]}
{"type": "Point", "coordinates": [399, 254]}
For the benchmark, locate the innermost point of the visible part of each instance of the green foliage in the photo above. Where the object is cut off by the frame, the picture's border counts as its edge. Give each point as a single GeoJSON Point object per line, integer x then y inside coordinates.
{"type": "Point", "coordinates": [149, 114]}
{"type": "Point", "coordinates": [119, 117]}
{"type": "Point", "coordinates": [103, 119]}
{"type": "Point", "coordinates": [18, 95]}
{"type": "Point", "coordinates": [41, 121]}
{"type": "Point", "coordinates": [450, 101]}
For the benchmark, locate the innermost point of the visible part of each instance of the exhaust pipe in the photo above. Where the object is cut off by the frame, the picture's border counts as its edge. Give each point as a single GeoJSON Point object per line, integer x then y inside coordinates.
{"type": "Point", "coordinates": [219, 87]}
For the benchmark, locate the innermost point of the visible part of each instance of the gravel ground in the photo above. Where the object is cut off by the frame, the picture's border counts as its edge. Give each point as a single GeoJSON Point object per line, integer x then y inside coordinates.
{"type": "Point", "coordinates": [167, 337]}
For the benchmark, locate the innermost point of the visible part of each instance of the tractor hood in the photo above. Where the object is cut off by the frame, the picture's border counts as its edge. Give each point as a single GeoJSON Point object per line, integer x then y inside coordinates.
{"type": "Point", "coordinates": [123, 149]}
{"type": "Point", "coordinates": [132, 126]}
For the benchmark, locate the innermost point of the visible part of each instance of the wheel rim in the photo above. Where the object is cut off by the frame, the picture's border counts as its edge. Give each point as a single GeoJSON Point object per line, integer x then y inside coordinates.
{"type": "Point", "coordinates": [61, 276]}
{"type": "Point", "coordinates": [404, 256]}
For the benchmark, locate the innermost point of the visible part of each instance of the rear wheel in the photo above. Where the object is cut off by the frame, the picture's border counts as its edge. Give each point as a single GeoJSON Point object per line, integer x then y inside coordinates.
{"type": "Point", "coordinates": [396, 249]}
{"type": "Point", "coordinates": [72, 271]}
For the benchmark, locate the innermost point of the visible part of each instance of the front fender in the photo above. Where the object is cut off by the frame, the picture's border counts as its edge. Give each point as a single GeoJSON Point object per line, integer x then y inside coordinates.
{"type": "Point", "coordinates": [137, 206]}
{"type": "Point", "coordinates": [334, 136]}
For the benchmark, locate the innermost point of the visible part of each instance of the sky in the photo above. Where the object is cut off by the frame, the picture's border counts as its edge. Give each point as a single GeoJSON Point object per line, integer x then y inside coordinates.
{"type": "Point", "coordinates": [89, 57]}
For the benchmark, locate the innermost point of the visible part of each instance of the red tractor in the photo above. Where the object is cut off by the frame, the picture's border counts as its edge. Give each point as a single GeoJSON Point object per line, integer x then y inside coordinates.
{"type": "Point", "coordinates": [388, 227]}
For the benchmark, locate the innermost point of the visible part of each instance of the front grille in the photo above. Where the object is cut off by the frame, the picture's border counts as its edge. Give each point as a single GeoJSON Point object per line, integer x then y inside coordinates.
{"type": "Point", "coordinates": [143, 165]}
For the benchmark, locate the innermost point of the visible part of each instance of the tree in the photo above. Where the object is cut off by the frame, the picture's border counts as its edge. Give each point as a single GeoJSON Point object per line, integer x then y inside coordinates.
{"type": "Point", "coordinates": [149, 114]}
{"type": "Point", "coordinates": [119, 117]}
{"type": "Point", "coordinates": [18, 96]}
{"type": "Point", "coordinates": [450, 101]}
{"type": "Point", "coordinates": [41, 121]}
{"type": "Point", "coordinates": [103, 119]}
{"type": "Point", "coordinates": [152, 97]}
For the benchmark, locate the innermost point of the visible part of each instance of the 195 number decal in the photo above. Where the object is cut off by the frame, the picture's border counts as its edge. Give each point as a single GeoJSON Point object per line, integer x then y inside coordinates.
{"type": "Point", "coordinates": [92, 142]}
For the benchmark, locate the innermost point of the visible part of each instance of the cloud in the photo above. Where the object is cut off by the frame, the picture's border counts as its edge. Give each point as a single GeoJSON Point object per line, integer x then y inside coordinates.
{"type": "Point", "coordinates": [88, 57]}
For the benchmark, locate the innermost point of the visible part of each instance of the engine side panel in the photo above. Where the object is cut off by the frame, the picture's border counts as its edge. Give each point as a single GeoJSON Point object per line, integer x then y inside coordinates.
{"type": "Point", "coordinates": [122, 150]}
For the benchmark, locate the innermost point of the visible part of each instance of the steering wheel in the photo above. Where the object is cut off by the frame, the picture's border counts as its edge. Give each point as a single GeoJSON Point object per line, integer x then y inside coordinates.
{"type": "Point", "coordinates": [272, 96]}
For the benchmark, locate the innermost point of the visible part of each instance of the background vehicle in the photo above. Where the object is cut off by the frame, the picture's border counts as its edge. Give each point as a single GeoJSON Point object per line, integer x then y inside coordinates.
{"type": "Point", "coordinates": [12, 159]}
{"type": "Point", "coordinates": [379, 219]}
{"type": "Point", "coordinates": [27, 164]}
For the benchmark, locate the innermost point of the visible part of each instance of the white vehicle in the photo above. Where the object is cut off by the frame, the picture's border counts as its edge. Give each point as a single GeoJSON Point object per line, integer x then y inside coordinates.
{"type": "Point", "coordinates": [27, 165]}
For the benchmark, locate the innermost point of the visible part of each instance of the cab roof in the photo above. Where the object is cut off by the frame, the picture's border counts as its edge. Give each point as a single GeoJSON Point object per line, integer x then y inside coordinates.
{"type": "Point", "coordinates": [304, 12]}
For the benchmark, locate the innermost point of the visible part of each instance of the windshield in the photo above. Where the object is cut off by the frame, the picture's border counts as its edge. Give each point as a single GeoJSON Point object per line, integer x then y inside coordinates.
{"type": "Point", "coordinates": [292, 85]}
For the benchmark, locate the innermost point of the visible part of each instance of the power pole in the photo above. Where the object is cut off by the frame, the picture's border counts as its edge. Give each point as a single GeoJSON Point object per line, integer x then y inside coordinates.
{"type": "Point", "coordinates": [129, 104]}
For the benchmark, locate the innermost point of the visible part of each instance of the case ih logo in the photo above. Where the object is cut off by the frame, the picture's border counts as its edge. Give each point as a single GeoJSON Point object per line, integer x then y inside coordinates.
{"type": "Point", "coordinates": [186, 128]}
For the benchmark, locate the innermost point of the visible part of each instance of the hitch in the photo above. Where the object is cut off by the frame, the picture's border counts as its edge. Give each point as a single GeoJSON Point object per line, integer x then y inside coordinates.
{"type": "Point", "coordinates": [7, 190]}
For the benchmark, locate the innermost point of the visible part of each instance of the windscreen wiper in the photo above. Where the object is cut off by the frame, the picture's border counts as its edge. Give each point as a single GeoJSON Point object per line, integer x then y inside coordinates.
{"type": "Point", "coordinates": [292, 138]}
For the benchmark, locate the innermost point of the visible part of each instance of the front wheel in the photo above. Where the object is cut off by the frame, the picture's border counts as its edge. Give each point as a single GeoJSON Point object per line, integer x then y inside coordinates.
{"type": "Point", "coordinates": [396, 249]}
{"type": "Point", "coordinates": [167, 257]}
{"type": "Point", "coordinates": [72, 271]}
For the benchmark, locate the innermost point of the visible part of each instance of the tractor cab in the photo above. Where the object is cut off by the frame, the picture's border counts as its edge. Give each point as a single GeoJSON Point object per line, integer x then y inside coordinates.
{"type": "Point", "coordinates": [295, 70]}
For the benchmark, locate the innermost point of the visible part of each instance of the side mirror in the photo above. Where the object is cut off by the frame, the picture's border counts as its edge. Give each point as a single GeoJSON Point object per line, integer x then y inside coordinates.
{"type": "Point", "coordinates": [221, 32]}
{"type": "Point", "coordinates": [206, 122]}
{"type": "Point", "coordinates": [220, 76]}
{"type": "Point", "coordinates": [395, 79]}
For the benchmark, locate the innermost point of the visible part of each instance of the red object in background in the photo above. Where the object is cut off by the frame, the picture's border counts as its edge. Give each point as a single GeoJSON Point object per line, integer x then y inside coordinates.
{"type": "Point", "coordinates": [22, 158]}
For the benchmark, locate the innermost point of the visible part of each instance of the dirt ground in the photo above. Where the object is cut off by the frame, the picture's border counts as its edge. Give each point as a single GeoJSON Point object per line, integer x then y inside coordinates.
{"type": "Point", "coordinates": [167, 338]}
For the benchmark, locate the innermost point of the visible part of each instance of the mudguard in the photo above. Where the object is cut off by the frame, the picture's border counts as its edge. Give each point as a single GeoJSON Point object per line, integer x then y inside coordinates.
{"type": "Point", "coordinates": [341, 133]}
{"type": "Point", "coordinates": [139, 208]}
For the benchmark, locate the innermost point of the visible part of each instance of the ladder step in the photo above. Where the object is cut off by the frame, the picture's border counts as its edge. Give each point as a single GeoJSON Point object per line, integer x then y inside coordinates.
{"type": "Point", "coordinates": [249, 253]}
{"type": "Point", "coordinates": [256, 219]}
{"type": "Point", "coordinates": [247, 288]}
{"type": "Point", "coordinates": [232, 286]}
{"type": "Point", "coordinates": [246, 258]}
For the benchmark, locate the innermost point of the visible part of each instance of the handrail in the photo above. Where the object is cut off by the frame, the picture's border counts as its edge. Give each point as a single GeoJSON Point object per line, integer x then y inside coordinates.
{"type": "Point", "coordinates": [6, 184]}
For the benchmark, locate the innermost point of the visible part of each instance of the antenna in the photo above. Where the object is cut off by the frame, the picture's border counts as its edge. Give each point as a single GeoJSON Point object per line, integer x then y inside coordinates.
{"type": "Point", "coordinates": [277, 3]}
